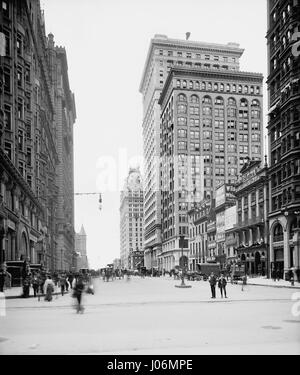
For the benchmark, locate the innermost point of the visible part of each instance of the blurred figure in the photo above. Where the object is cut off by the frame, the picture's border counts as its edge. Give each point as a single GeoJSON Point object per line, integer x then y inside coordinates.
{"type": "Point", "coordinates": [244, 282]}
{"type": "Point", "coordinates": [62, 283]}
{"type": "Point", "coordinates": [78, 290]}
{"type": "Point", "coordinates": [49, 288]}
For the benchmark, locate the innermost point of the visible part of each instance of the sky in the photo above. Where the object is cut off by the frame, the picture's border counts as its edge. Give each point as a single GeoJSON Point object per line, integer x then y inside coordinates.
{"type": "Point", "coordinates": [107, 42]}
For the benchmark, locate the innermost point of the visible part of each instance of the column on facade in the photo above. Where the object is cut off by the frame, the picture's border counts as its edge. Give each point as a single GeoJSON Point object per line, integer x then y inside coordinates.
{"type": "Point", "coordinates": [286, 251]}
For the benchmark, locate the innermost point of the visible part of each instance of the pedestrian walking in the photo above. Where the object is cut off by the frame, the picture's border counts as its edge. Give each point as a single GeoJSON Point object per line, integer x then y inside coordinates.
{"type": "Point", "coordinates": [244, 282]}
{"type": "Point", "coordinates": [35, 284]}
{"type": "Point", "coordinates": [212, 281]}
{"type": "Point", "coordinates": [27, 276]}
{"type": "Point", "coordinates": [62, 283]}
{"type": "Point", "coordinates": [278, 274]}
{"type": "Point", "coordinates": [78, 290]}
{"type": "Point", "coordinates": [49, 288]}
{"type": "Point", "coordinates": [3, 275]}
{"type": "Point", "coordinates": [222, 285]}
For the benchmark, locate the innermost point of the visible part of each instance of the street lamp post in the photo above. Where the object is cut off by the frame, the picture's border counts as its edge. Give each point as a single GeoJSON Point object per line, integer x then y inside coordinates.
{"type": "Point", "coordinates": [182, 285]}
{"type": "Point", "coordinates": [61, 259]}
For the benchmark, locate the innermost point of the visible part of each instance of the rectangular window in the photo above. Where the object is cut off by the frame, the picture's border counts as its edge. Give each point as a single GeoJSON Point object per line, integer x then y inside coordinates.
{"type": "Point", "coordinates": [231, 124]}
{"type": "Point", "coordinates": [219, 124]}
{"type": "Point", "coordinates": [231, 148]}
{"type": "Point", "coordinates": [29, 157]}
{"type": "Point", "coordinates": [243, 126]}
{"type": "Point", "coordinates": [219, 148]}
{"type": "Point", "coordinates": [219, 112]}
{"type": "Point", "coordinates": [231, 112]}
{"type": "Point", "coordinates": [21, 140]}
{"type": "Point", "coordinates": [231, 136]}
{"type": "Point", "coordinates": [7, 80]}
{"type": "Point", "coordinates": [219, 136]}
{"type": "Point", "coordinates": [182, 145]}
{"type": "Point", "coordinates": [7, 117]}
{"type": "Point", "coordinates": [20, 109]}
{"type": "Point", "coordinates": [8, 149]}
{"type": "Point", "coordinates": [243, 137]}
{"type": "Point", "coordinates": [243, 149]}
{"type": "Point", "coordinates": [255, 137]}
{"type": "Point", "coordinates": [255, 149]}
{"type": "Point", "coordinates": [207, 111]}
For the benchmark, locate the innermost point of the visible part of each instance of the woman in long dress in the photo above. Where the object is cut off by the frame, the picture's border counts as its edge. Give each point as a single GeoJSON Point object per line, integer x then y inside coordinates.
{"type": "Point", "coordinates": [49, 288]}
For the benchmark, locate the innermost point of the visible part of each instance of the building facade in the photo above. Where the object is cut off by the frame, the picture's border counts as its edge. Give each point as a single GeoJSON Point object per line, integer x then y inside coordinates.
{"type": "Point", "coordinates": [80, 250]}
{"type": "Point", "coordinates": [163, 54]}
{"type": "Point", "coordinates": [28, 135]}
{"type": "Point", "coordinates": [284, 134]}
{"type": "Point", "coordinates": [198, 238]}
{"type": "Point", "coordinates": [225, 208]}
{"type": "Point", "coordinates": [65, 115]}
{"type": "Point", "coordinates": [211, 121]}
{"type": "Point", "coordinates": [252, 228]}
{"type": "Point", "coordinates": [131, 221]}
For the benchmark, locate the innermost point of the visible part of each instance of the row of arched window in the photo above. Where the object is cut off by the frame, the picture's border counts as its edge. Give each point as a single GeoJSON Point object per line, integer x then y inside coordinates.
{"type": "Point", "coordinates": [218, 100]}
{"type": "Point", "coordinates": [209, 86]}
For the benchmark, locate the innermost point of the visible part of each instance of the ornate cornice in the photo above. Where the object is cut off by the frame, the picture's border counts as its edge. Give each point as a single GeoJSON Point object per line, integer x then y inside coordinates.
{"type": "Point", "coordinates": [187, 45]}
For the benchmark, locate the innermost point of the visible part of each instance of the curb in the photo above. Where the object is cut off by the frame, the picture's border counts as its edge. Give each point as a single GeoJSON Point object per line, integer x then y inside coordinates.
{"type": "Point", "coordinates": [31, 296]}
{"type": "Point", "coordinates": [275, 286]}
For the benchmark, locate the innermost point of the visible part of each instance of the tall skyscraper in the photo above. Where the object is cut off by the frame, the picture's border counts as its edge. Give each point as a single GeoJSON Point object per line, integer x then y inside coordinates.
{"type": "Point", "coordinates": [284, 133]}
{"type": "Point", "coordinates": [131, 221]}
{"type": "Point", "coordinates": [197, 104]}
{"type": "Point", "coordinates": [37, 112]}
{"type": "Point", "coordinates": [80, 249]}
{"type": "Point", "coordinates": [65, 115]}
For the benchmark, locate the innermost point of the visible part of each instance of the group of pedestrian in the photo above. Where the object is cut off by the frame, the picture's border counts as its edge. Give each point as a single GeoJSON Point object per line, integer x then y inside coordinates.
{"type": "Point", "coordinates": [5, 278]}
{"type": "Point", "coordinates": [221, 282]}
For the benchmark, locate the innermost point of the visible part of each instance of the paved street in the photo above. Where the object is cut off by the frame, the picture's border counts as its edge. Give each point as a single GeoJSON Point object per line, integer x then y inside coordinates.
{"type": "Point", "coordinates": [151, 316]}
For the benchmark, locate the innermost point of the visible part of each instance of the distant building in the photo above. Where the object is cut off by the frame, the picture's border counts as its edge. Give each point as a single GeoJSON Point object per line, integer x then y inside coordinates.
{"type": "Point", "coordinates": [80, 249]}
{"type": "Point", "coordinates": [131, 221]}
{"type": "Point", "coordinates": [117, 263]}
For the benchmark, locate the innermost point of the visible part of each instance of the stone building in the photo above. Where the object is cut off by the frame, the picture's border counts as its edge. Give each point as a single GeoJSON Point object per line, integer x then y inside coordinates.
{"type": "Point", "coordinates": [131, 221]}
{"type": "Point", "coordinates": [284, 134]}
{"type": "Point", "coordinates": [198, 237]}
{"type": "Point", "coordinates": [205, 92]}
{"type": "Point", "coordinates": [225, 205]}
{"type": "Point", "coordinates": [211, 121]}
{"type": "Point", "coordinates": [252, 228]}
{"type": "Point", "coordinates": [29, 154]}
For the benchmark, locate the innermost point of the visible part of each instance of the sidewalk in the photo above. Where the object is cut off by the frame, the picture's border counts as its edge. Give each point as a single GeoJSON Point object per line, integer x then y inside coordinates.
{"type": "Point", "coordinates": [16, 292]}
{"type": "Point", "coordinates": [263, 281]}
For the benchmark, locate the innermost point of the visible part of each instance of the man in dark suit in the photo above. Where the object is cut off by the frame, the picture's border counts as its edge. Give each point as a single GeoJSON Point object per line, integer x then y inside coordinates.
{"type": "Point", "coordinates": [212, 281]}
{"type": "Point", "coordinates": [222, 285]}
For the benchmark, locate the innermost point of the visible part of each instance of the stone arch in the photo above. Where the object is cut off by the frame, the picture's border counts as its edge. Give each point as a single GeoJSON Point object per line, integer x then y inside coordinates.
{"type": "Point", "coordinates": [206, 100]}
{"type": "Point", "coordinates": [281, 221]}
{"type": "Point", "coordinates": [23, 246]}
